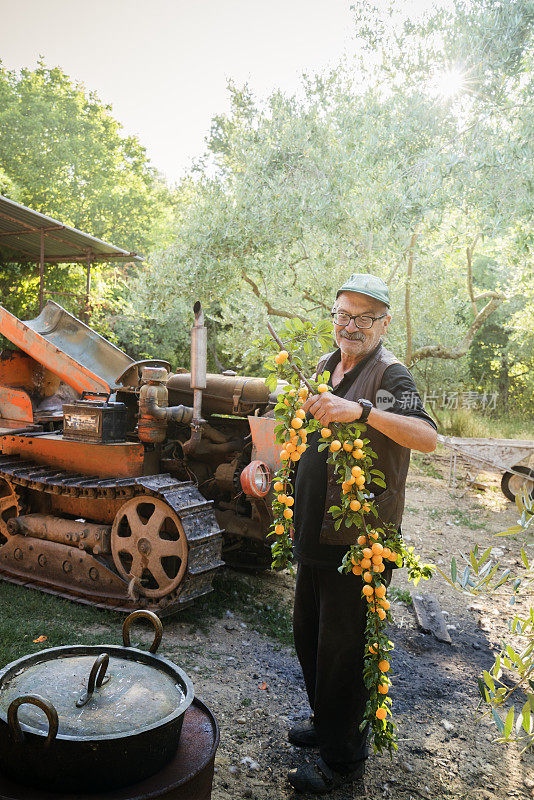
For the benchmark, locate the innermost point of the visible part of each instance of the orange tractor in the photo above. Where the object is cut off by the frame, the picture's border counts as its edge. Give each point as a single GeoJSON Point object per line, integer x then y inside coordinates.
{"type": "Point", "coordinates": [118, 478]}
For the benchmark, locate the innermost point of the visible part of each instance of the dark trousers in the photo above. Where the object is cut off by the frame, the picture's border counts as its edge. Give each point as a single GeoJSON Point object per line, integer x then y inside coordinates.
{"type": "Point", "coordinates": [329, 627]}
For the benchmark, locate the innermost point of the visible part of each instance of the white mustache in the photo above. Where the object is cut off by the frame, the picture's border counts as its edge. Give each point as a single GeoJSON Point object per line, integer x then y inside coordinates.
{"type": "Point", "coordinates": [353, 337]}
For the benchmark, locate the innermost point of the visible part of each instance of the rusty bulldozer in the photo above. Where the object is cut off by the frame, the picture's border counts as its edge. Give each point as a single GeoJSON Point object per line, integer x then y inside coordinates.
{"type": "Point", "coordinates": [118, 478]}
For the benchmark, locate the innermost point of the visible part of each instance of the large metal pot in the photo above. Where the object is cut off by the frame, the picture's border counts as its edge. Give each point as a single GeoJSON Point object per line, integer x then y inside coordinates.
{"type": "Point", "coordinates": [112, 715]}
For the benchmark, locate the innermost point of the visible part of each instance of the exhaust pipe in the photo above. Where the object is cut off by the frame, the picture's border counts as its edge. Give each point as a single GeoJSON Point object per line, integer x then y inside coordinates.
{"type": "Point", "coordinates": [199, 348]}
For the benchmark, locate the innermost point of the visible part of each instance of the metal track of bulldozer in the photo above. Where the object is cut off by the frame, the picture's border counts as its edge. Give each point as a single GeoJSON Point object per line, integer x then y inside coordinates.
{"type": "Point", "coordinates": [204, 537]}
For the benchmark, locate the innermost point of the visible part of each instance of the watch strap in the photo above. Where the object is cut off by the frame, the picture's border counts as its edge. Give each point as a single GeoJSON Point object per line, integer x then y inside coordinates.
{"type": "Point", "coordinates": [366, 409]}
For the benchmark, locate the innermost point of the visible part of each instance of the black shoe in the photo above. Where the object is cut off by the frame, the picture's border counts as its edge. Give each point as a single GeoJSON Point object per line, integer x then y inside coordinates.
{"type": "Point", "coordinates": [318, 778]}
{"type": "Point", "coordinates": [303, 735]}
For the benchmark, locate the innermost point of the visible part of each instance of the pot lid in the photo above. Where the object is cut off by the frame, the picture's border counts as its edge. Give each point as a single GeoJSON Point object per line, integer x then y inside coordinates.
{"type": "Point", "coordinates": [136, 696]}
{"type": "Point", "coordinates": [95, 692]}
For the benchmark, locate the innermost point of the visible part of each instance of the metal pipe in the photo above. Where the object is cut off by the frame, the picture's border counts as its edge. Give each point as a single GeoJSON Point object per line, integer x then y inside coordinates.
{"type": "Point", "coordinates": [85, 535]}
{"type": "Point", "coordinates": [199, 355]}
{"type": "Point", "coordinates": [177, 413]}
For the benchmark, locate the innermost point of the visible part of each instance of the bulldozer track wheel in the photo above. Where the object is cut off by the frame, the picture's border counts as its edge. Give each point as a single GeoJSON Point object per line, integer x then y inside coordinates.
{"type": "Point", "coordinates": [149, 546]}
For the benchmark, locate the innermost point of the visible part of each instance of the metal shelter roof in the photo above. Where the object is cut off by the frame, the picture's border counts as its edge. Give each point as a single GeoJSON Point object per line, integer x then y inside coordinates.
{"type": "Point", "coordinates": [22, 230]}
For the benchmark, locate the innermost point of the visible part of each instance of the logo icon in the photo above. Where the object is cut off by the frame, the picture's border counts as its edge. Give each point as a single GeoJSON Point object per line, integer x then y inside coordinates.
{"type": "Point", "coordinates": [384, 400]}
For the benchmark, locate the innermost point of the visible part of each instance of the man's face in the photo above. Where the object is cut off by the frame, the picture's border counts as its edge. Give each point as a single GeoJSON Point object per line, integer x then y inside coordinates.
{"type": "Point", "coordinates": [358, 342]}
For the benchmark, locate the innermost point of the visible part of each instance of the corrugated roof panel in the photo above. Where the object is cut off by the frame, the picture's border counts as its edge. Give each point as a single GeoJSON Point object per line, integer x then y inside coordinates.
{"type": "Point", "coordinates": [20, 236]}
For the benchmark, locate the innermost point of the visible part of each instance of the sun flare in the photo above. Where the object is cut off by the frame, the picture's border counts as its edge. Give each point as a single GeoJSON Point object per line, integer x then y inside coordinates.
{"type": "Point", "coordinates": [450, 83]}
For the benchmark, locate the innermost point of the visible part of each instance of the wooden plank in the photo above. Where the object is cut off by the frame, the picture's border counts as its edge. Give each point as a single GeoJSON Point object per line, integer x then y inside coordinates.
{"type": "Point", "coordinates": [429, 616]}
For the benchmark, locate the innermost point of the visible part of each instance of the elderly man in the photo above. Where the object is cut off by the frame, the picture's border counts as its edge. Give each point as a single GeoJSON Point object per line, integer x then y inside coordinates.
{"type": "Point", "coordinates": [369, 385]}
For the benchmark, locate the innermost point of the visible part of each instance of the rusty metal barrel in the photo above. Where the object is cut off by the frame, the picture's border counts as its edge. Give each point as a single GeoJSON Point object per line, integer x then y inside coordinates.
{"type": "Point", "coordinates": [188, 776]}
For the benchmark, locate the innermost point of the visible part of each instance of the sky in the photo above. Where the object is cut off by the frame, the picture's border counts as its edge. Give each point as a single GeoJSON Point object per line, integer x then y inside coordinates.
{"type": "Point", "coordinates": [164, 65]}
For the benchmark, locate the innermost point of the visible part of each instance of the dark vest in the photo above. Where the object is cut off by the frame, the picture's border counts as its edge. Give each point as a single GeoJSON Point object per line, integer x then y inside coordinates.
{"type": "Point", "coordinates": [392, 459]}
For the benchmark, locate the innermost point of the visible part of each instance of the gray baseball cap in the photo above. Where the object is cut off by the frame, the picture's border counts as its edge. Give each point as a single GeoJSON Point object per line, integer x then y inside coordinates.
{"type": "Point", "coordinates": [371, 285]}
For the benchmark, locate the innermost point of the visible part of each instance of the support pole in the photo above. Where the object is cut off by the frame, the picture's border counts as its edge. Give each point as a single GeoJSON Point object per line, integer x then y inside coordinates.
{"type": "Point", "coordinates": [88, 287]}
{"type": "Point", "coordinates": [41, 271]}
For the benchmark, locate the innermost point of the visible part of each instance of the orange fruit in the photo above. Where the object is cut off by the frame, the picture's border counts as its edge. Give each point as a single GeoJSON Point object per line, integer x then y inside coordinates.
{"type": "Point", "coordinates": [278, 486]}
{"type": "Point", "coordinates": [358, 443]}
{"type": "Point", "coordinates": [300, 413]}
{"type": "Point", "coordinates": [279, 529]}
{"type": "Point", "coordinates": [381, 713]}
{"type": "Point", "coordinates": [381, 613]}
{"type": "Point", "coordinates": [367, 577]}
{"type": "Point", "coordinates": [289, 501]}
{"type": "Point", "coordinates": [281, 498]}
{"type": "Point", "coordinates": [376, 560]}
{"type": "Point", "coordinates": [335, 446]}
{"type": "Point", "coordinates": [296, 423]}
{"type": "Point", "coordinates": [295, 456]}
{"type": "Point", "coordinates": [356, 471]}
{"type": "Point", "coordinates": [288, 513]}
{"type": "Point", "coordinates": [281, 356]}
{"type": "Point", "coordinates": [290, 447]}
{"type": "Point", "coordinates": [392, 556]}
{"type": "Point", "coordinates": [353, 561]}
{"type": "Point", "coordinates": [367, 590]}
{"type": "Point", "coordinates": [322, 388]}
{"type": "Point", "coordinates": [380, 591]}
{"type": "Point", "coordinates": [357, 570]}
{"type": "Point", "coordinates": [373, 535]}
{"type": "Point", "coordinates": [383, 688]}
{"type": "Point", "coordinates": [366, 508]}
{"type": "Point", "coordinates": [360, 480]}
{"type": "Point", "coordinates": [303, 433]}
{"type": "Point", "coordinates": [351, 480]}
{"type": "Point", "coordinates": [386, 605]}
{"type": "Point", "coordinates": [383, 665]}
{"type": "Point", "coordinates": [386, 552]}
{"type": "Point", "coordinates": [326, 432]}
{"type": "Point", "coordinates": [377, 548]}
{"type": "Point", "coordinates": [367, 552]}
{"type": "Point", "coordinates": [347, 446]}
{"type": "Point", "coordinates": [379, 568]}
{"type": "Point", "coordinates": [373, 648]}
{"type": "Point", "coordinates": [362, 539]}
{"type": "Point", "coordinates": [301, 448]}
{"type": "Point", "coordinates": [365, 563]}
{"type": "Point", "coordinates": [358, 454]}
{"type": "Point", "coordinates": [303, 392]}
{"type": "Point", "coordinates": [284, 455]}
{"type": "Point", "coordinates": [355, 505]}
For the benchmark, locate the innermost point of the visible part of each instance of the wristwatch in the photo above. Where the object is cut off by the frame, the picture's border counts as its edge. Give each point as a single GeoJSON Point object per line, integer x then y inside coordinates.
{"type": "Point", "coordinates": [366, 409]}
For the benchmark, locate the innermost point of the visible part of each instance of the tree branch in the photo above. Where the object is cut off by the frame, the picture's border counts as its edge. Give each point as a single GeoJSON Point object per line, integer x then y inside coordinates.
{"type": "Point", "coordinates": [407, 294]}
{"type": "Point", "coordinates": [273, 312]}
{"type": "Point", "coordinates": [470, 249]}
{"type": "Point", "coordinates": [439, 351]}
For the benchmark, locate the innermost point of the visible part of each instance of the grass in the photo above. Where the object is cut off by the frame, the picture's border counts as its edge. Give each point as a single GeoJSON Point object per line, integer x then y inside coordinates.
{"type": "Point", "coordinates": [425, 465]}
{"type": "Point", "coordinates": [400, 595]}
{"type": "Point", "coordinates": [467, 423]}
{"type": "Point", "coordinates": [26, 614]}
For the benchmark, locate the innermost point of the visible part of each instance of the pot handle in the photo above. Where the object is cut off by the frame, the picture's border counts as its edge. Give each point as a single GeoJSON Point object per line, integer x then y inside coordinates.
{"type": "Point", "coordinates": [97, 677]}
{"type": "Point", "coordinates": [42, 703]}
{"type": "Point", "coordinates": [153, 618]}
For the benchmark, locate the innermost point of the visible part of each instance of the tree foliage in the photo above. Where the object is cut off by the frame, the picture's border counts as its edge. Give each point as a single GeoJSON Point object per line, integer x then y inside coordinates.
{"type": "Point", "coordinates": [62, 153]}
{"type": "Point", "coordinates": [372, 167]}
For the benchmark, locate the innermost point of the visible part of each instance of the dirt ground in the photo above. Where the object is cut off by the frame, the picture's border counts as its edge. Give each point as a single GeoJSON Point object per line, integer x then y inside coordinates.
{"type": "Point", "coordinates": [254, 686]}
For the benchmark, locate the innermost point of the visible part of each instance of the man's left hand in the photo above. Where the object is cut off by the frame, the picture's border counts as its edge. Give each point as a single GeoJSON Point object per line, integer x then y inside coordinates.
{"type": "Point", "coordinates": [327, 408]}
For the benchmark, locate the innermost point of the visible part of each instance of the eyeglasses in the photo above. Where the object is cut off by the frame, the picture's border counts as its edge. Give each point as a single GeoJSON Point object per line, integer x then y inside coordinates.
{"type": "Point", "coordinates": [364, 321]}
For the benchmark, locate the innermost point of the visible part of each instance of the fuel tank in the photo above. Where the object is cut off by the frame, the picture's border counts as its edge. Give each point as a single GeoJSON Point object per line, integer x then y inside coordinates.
{"type": "Point", "coordinates": [224, 394]}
